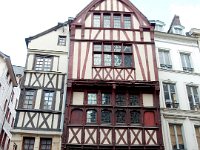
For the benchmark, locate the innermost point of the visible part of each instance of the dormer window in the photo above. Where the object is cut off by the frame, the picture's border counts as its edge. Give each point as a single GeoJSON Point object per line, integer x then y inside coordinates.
{"type": "Point", "coordinates": [178, 30]}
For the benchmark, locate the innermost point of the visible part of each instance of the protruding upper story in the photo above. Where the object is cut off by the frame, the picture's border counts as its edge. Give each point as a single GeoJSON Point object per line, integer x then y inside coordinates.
{"type": "Point", "coordinates": [42, 95]}
{"type": "Point", "coordinates": [112, 40]}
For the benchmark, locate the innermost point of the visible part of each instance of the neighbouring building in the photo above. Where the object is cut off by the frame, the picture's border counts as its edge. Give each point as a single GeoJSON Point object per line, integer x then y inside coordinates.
{"type": "Point", "coordinates": [179, 75]}
{"type": "Point", "coordinates": [40, 111]}
{"type": "Point", "coordinates": [113, 87]}
{"type": "Point", "coordinates": [9, 95]}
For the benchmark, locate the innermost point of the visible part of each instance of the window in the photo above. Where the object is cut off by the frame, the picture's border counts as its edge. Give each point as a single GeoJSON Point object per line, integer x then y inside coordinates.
{"type": "Point", "coordinates": [193, 97]}
{"type": "Point", "coordinates": [176, 136]}
{"type": "Point", "coordinates": [197, 135]}
{"type": "Point", "coordinates": [117, 21]}
{"type": "Point", "coordinates": [134, 100]}
{"type": "Point", "coordinates": [135, 117]}
{"type": "Point", "coordinates": [120, 116]}
{"type": "Point", "coordinates": [170, 95]}
{"type": "Point", "coordinates": [28, 143]}
{"type": "Point", "coordinates": [127, 22]}
{"type": "Point", "coordinates": [185, 59]}
{"type": "Point", "coordinates": [48, 98]}
{"type": "Point", "coordinates": [120, 100]}
{"type": "Point", "coordinates": [61, 40]}
{"type": "Point", "coordinates": [113, 55]}
{"type": "Point", "coordinates": [106, 99]}
{"type": "Point", "coordinates": [105, 116]}
{"type": "Point", "coordinates": [178, 31]}
{"type": "Point", "coordinates": [92, 98]}
{"type": "Point", "coordinates": [96, 21]}
{"type": "Point", "coordinates": [106, 21]}
{"type": "Point", "coordinates": [29, 99]}
{"type": "Point", "coordinates": [164, 59]}
{"type": "Point", "coordinates": [43, 63]}
{"type": "Point", "coordinates": [12, 96]}
{"type": "Point", "coordinates": [45, 143]}
{"type": "Point", "coordinates": [91, 116]}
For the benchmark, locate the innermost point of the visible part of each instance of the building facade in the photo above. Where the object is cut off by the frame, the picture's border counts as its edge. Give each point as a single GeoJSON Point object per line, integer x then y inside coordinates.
{"type": "Point", "coordinates": [113, 87]}
{"type": "Point", "coordinates": [40, 112]}
{"type": "Point", "coordinates": [9, 95]}
{"type": "Point", "coordinates": [179, 75]}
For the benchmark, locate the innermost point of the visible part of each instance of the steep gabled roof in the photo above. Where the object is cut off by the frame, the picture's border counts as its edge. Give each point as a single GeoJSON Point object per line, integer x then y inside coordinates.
{"type": "Point", "coordinates": [93, 3]}
{"type": "Point", "coordinates": [27, 40]}
{"type": "Point", "coordinates": [10, 68]}
{"type": "Point", "coordinates": [175, 22]}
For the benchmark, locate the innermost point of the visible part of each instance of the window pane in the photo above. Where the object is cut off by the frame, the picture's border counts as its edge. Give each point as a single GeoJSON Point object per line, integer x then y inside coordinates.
{"type": "Point", "coordinates": [127, 22]}
{"type": "Point", "coordinates": [62, 40]}
{"type": "Point", "coordinates": [107, 60]}
{"type": "Point", "coordinates": [107, 48]}
{"type": "Point", "coordinates": [29, 98]}
{"type": "Point", "coordinates": [117, 21]}
{"type": "Point", "coordinates": [120, 100]}
{"type": "Point", "coordinates": [105, 117]}
{"type": "Point", "coordinates": [91, 116]}
{"type": "Point", "coordinates": [128, 61]}
{"type": "Point", "coordinates": [106, 99]}
{"type": "Point", "coordinates": [48, 99]}
{"type": "Point", "coordinates": [118, 60]}
{"type": "Point", "coordinates": [135, 117]}
{"type": "Point", "coordinates": [28, 143]}
{"type": "Point", "coordinates": [45, 144]}
{"type": "Point", "coordinates": [127, 48]}
{"type": "Point", "coordinates": [97, 59]}
{"type": "Point", "coordinates": [96, 21]}
{"type": "Point", "coordinates": [120, 116]}
{"type": "Point", "coordinates": [134, 100]}
{"type": "Point", "coordinates": [43, 63]}
{"type": "Point", "coordinates": [106, 21]}
{"type": "Point", "coordinates": [117, 48]}
{"type": "Point", "coordinates": [92, 98]}
{"type": "Point", "coordinates": [97, 47]}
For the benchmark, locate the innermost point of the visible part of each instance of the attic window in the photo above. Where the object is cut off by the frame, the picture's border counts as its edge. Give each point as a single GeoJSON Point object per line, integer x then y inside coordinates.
{"type": "Point", "coordinates": [178, 30]}
{"type": "Point", "coordinates": [61, 40]}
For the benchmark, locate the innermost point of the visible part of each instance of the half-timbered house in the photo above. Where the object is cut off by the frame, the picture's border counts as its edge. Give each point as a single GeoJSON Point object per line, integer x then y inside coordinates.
{"type": "Point", "coordinates": [113, 88]}
{"type": "Point", "coordinates": [39, 115]}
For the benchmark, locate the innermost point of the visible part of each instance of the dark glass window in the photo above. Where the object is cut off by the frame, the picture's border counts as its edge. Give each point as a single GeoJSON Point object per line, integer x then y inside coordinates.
{"type": "Point", "coordinates": [106, 98]}
{"type": "Point", "coordinates": [28, 143]}
{"type": "Point", "coordinates": [45, 144]}
{"type": "Point", "coordinates": [135, 117]}
{"type": "Point", "coordinates": [115, 55]}
{"type": "Point", "coordinates": [134, 100]}
{"type": "Point", "coordinates": [120, 116]}
{"type": "Point", "coordinates": [120, 100]}
{"type": "Point", "coordinates": [105, 116]}
{"type": "Point", "coordinates": [193, 97]}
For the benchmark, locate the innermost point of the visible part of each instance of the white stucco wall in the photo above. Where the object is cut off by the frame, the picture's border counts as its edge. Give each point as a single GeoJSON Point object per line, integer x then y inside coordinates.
{"type": "Point", "coordinates": [182, 115]}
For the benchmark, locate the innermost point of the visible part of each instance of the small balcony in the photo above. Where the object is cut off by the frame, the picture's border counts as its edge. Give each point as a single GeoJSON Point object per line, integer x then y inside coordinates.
{"type": "Point", "coordinates": [171, 104]}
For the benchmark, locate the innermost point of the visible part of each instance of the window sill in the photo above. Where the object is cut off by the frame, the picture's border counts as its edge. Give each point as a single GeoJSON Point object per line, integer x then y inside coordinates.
{"type": "Point", "coordinates": [111, 67]}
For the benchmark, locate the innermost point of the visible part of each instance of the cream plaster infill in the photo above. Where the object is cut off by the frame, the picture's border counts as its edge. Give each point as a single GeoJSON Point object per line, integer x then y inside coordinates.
{"type": "Point", "coordinates": [33, 132]}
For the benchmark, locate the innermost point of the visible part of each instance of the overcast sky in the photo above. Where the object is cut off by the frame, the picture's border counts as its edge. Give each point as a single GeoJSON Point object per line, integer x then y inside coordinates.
{"type": "Point", "coordinates": [24, 18]}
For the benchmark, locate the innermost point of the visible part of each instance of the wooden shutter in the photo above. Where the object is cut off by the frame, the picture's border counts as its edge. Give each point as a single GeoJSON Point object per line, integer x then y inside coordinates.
{"type": "Point", "coordinates": [149, 119]}
{"type": "Point", "coordinates": [76, 116]}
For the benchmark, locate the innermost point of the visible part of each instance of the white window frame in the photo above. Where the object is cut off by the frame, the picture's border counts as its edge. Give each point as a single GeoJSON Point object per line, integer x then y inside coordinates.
{"type": "Point", "coordinates": [164, 52]}
{"type": "Point", "coordinates": [194, 103]}
{"type": "Point", "coordinates": [173, 103]}
{"type": "Point", "coordinates": [185, 65]}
